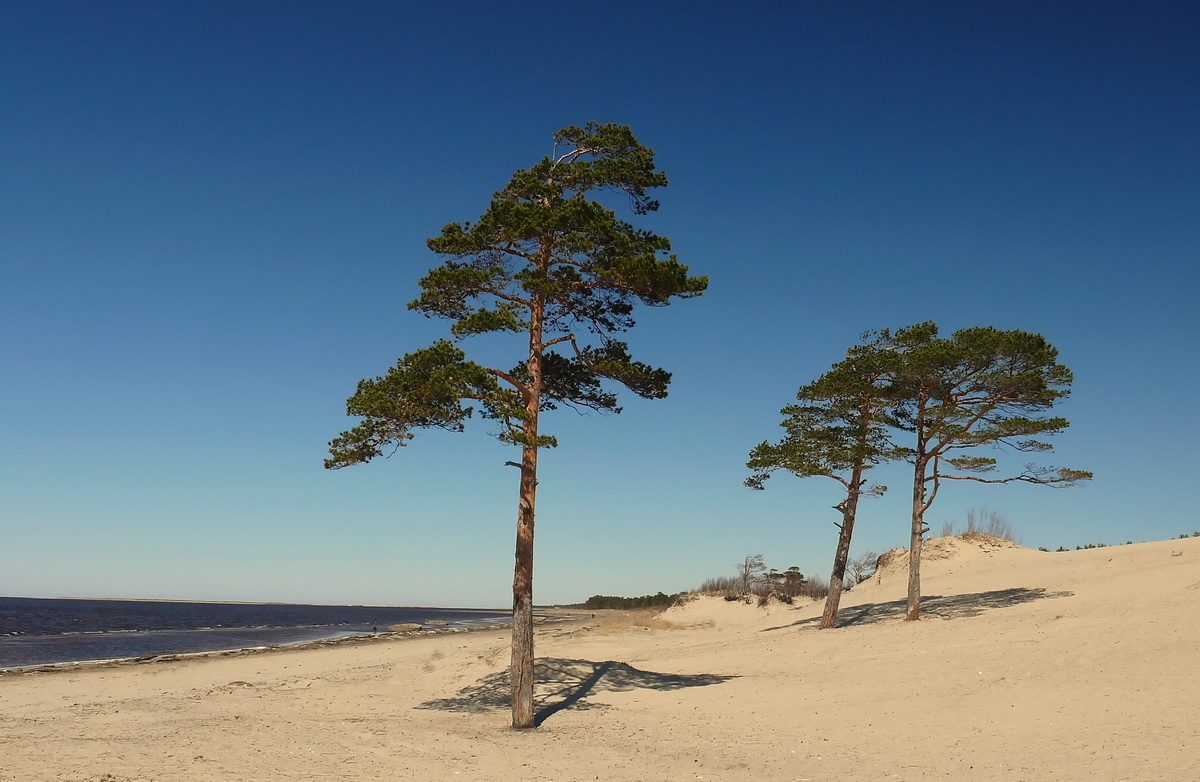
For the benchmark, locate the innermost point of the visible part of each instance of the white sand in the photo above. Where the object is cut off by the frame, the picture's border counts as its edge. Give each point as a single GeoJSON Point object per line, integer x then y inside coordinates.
{"type": "Point", "coordinates": [1029, 666]}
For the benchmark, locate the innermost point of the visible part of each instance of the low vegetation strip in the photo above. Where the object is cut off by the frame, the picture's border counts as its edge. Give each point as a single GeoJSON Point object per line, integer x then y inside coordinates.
{"type": "Point", "coordinates": [597, 602]}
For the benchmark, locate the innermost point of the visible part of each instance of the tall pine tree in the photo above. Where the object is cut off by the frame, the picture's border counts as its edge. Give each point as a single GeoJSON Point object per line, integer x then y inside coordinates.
{"type": "Point", "coordinates": [981, 387]}
{"type": "Point", "coordinates": [837, 429]}
{"type": "Point", "coordinates": [550, 263]}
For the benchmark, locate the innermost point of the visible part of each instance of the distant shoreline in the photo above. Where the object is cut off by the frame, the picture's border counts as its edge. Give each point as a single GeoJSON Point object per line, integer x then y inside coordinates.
{"type": "Point", "coordinates": [253, 603]}
{"type": "Point", "coordinates": [44, 631]}
{"type": "Point", "coordinates": [351, 639]}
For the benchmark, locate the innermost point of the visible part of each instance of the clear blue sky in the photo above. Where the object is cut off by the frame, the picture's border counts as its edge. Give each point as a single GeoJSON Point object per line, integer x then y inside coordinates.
{"type": "Point", "coordinates": [214, 214]}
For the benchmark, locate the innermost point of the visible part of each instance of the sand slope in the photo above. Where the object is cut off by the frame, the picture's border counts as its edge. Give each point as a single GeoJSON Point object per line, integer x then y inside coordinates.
{"type": "Point", "coordinates": [1028, 666]}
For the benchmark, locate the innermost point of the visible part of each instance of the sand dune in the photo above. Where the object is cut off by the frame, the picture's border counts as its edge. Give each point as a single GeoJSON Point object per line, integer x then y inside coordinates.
{"type": "Point", "coordinates": [1028, 666]}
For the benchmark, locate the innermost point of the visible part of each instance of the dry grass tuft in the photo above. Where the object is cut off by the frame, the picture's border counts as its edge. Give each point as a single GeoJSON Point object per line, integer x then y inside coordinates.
{"type": "Point", "coordinates": [987, 539]}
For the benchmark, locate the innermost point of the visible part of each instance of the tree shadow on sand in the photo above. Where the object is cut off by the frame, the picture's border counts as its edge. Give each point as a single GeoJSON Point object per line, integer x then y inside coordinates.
{"type": "Point", "coordinates": [561, 684]}
{"type": "Point", "coordinates": [943, 607]}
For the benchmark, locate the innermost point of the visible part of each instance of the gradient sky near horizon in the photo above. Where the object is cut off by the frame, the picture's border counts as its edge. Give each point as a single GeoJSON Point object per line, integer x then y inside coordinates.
{"type": "Point", "coordinates": [214, 215]}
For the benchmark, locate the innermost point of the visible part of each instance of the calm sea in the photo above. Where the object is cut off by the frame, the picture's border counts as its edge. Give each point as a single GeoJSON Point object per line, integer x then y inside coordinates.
{"type": "Point", "coordinates": [36, 631]}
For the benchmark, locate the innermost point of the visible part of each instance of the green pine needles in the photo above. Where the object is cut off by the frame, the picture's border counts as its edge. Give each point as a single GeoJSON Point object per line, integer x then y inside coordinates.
{"type": "Point", "coordinates": [552, 264]}
{"type": "Point", "coordinates": [838, 429]}
{"type": "Point", "coordinates": [547, 261]}
{"type": "Point", "coordinates": [916, 396]}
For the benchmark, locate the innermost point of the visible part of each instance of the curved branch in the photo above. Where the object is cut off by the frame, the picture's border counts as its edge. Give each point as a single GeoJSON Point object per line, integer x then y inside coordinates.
{"type": "Point", "coordinates": [521, 388]}
{"type": "Point", "coordinates": [1026, 478]}
{"type": "Point", "coordinates": [511, 250]}
{"type": "Point", "coordinates": [1043, 478]}
{"type": "Point", "coordinates": [570, 157]}
{"type": "Point", "coordinates": [506, 296]}
{"type": "Point", "coordinates": [943, 445]}
{"type": "Point", "coordinates": [936, 484]}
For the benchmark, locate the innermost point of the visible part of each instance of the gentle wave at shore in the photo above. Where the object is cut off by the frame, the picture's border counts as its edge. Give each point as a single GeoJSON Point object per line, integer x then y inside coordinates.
{"type": "Point", "coordinates": [49, 631]}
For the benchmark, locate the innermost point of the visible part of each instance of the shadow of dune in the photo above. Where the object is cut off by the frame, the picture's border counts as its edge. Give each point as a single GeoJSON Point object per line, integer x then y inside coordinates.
{"type": "Point", "coordinates": [561, 684]}
{"type": "Point", "coordinates": [943, 607]}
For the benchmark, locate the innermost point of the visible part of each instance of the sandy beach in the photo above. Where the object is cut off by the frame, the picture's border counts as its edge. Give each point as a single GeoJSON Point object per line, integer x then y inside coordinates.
{"type": "Point", "coordinates": [1028, 665]}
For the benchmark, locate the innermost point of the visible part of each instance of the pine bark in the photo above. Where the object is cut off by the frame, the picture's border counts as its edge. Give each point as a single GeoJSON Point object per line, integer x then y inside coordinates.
{"type": "Point", "coordinates": [521, 668]}
{"type": "Point", "coordinates": [849, 510]}
{"type": "Point", "coordinates": [914, 545]}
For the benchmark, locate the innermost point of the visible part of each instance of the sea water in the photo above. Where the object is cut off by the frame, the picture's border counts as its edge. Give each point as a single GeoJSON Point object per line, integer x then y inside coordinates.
{"type": "Point", "coordinates": [36, 631]}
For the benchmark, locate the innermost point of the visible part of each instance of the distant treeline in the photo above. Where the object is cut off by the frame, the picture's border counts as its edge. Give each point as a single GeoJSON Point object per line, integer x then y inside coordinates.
{"type": "Point", "coordinates": [645, 601]}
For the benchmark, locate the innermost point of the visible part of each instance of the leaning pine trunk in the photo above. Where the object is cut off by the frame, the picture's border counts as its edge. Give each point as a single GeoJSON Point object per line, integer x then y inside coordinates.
{"type": "Point", "coordinates": [914, 545]}
{"type": "Point", "coordinates": [521, 669]}
{"type": "Point", "coordinates": [838, 577]}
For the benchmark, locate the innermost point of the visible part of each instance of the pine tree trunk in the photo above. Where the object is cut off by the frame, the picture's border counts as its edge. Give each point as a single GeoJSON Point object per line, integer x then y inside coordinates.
{"type": "Point", "coordinates": [521, 668]}
{"type": "Point", "coordinates": [914, 545]}
{"type": "Point", "coordinates": [849, 508]}
{"type": "Point", "coordinates": [838, 577]}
